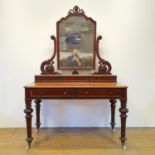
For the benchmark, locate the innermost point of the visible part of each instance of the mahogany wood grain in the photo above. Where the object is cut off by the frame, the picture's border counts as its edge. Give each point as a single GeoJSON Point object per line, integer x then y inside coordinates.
{"type": "Point", "coordinates": [75, 85]}
{"type": "Point", "coordinates": [76, 78]}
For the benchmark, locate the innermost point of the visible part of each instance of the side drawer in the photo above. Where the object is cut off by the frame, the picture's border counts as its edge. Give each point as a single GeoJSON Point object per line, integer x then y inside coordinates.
{"type": "Point", "coordinates": [59, 92]}
{"type": "Point", "coordinates": [100, 93]}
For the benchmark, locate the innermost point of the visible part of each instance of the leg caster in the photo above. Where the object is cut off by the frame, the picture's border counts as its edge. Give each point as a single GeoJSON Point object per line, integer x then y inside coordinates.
{"type": "Point", "coordinates": [123, 145]}
{"type": "Point", "coordinates": [113, 130]}
{"type": "Point", "coordinates": [29, 141]}
{"type": "Point", "coordinates": [27, 147]}
{"type": "Point", "coordinates": [37, 131]}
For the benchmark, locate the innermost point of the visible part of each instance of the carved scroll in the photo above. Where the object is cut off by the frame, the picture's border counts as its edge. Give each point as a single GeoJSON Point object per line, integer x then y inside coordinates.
{"type": "Point", "coordinates": [104, 66]}
{"type": "Point", "coordinates": [47, 65]}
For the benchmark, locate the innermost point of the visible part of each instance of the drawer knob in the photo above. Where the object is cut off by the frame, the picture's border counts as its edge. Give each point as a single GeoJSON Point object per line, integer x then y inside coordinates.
{"type": "Point", "coordinates": [86, 92]}
{"type": "Point", "coordinates": [111, 92]}
{"type": "Point", "coordinates": [40, 92]}
{"type": "Point", "coordinates": [65, 92]}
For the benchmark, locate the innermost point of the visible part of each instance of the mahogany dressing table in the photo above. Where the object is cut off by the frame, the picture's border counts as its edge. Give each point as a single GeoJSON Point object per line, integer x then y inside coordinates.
{"type": "Point", "coordinates": [76, 35]}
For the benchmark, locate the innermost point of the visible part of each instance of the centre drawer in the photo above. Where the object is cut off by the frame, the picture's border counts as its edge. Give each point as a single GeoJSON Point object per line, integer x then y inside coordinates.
{"type": "Point", "coordinates": [59, 92]}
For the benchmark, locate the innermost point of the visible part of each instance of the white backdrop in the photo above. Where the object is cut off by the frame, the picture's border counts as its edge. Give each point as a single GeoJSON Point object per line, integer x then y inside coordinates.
{"type": "Point", "coordinates": [128, 29]}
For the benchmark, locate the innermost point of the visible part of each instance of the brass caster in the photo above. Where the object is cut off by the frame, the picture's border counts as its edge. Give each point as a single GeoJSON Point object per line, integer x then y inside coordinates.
{"type": "Point", "coordinates": [37, 131]}
{"type": "Point", "coordinates": [124, 147]}
{"type": "Point", "coordinates": [113, 130]}
{"type": "Point", "coordinates": [27, 147]}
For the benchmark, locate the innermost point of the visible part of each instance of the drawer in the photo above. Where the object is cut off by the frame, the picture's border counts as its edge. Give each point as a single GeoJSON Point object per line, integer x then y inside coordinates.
{"type": "Point", "coordinates": [47, 93]}
{"type": "Point", "coordinates": [103, 93]}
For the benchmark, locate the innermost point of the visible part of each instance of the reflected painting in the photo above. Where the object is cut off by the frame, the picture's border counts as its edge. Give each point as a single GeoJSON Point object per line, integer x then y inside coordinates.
{"type": "Point", "coordinates": [76, 43]}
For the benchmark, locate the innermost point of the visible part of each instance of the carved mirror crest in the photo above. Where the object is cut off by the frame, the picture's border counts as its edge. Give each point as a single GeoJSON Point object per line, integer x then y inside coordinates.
{"type": "Point", "coordinates": [76, 46]}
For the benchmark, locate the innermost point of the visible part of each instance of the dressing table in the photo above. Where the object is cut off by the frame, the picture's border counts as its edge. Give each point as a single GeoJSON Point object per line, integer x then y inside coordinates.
{"type": "Point", "coordinates": [77, 76]}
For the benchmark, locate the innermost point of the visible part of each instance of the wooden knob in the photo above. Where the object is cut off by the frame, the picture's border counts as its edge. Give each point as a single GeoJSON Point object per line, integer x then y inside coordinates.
{"type": "Point", "coordinates": [65, 92]}
{"type": "Point", "coordinates": [86, 92]}
{"type": "Point", "coordinates": [111, 92]}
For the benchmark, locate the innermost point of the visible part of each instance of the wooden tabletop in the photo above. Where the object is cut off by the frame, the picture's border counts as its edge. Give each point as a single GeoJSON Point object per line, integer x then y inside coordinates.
{"type": "Point", "coordinates": [75, 85]}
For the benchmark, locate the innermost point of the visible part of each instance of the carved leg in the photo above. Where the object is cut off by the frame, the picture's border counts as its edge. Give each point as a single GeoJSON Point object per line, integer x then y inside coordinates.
{"type": "Point", "coordinates": [37, 102]}
{"type": "Point", "coordinates": [123, 110]}
{"type": "Point", "coordinates": [28, 110]}
{"type": "Point", "coordinates": [113, 105]}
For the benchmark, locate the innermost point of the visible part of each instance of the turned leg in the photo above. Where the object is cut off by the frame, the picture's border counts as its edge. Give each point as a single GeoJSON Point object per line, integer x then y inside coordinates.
{"type": "Point", "coordinates": [123, 110]}
{"type": "Point", "coordinates": [28, 111]}
{"type": "Point", "coordinates": [113, 105]}
{"type": "Point", "coordinates": [37, 105]}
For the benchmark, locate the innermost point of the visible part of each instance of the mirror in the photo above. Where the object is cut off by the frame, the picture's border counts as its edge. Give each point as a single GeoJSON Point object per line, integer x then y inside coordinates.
{"type": "Point", "coordinates": [76, 46]}
{"type": "Point", "coordinates": [76, 42]}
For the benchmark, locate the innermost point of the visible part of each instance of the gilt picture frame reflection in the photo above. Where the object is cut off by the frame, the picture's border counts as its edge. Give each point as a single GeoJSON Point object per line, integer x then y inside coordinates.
{"type": "Point", "coordinates": [76, 43]}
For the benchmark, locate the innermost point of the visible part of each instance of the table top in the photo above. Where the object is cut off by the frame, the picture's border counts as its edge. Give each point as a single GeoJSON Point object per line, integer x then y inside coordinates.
{"type": "Point", "coordinates": [75, 85]}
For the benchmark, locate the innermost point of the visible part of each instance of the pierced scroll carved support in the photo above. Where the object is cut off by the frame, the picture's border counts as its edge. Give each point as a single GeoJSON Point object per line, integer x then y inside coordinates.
{"type": "Point", "coordinates": [47, 65]}
{"type": "Point", "coordinates": [104, 66]}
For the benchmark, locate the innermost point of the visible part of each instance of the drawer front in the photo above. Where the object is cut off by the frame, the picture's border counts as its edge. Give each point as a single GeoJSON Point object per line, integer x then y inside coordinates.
{"type": "Point", "coordinates": [102, 93]}
{"type": "Point", "coordinates": [47, 93]}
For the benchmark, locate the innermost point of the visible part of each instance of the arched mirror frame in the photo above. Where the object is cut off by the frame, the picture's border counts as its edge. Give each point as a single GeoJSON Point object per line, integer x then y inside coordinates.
{"type": "Point", "coordinates": [76, 37]}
